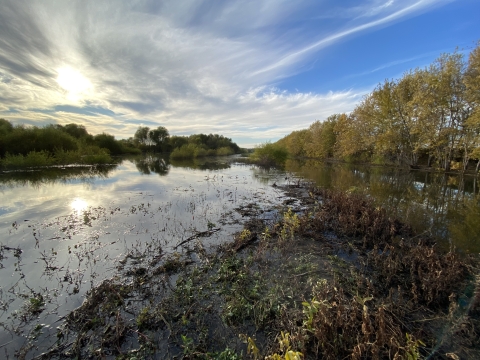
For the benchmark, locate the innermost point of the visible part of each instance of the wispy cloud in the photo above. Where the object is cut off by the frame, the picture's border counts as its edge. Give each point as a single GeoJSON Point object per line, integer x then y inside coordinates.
{"type": "Point", "coordinates": [297, 55]}
{"type": "Point", "coordinates": [192, 66]}
{"type": "Point", "coordinates": [390, 64]}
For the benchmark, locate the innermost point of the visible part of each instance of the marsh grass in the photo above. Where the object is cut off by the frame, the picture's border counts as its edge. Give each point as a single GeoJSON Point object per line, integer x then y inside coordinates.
{"type": "Point", "coordinates": [339, 280]}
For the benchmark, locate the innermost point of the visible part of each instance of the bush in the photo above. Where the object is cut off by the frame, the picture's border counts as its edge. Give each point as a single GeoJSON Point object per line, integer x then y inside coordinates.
{"type": "Point", "coordinates": [224, 151]}
{"type": "Point", "coordinates": [200, 152]}
{"type": "Point", "coordinates": [107, 141]}
{"type": "Point", "coordinates": [93, 155]}
{"type": "Point", "coordinates": [97, 159]}
{"type": "Point", "coordinates": [32, 159]}
{"type": "Point", "coordinates": [270, 154]}
{"type": "Point", "coordinates": [184, 152]}
{"type": "Point", "coordinates": [65, 157]}
{"type": "Point", "coordinates": [127, 149]}
{"type": "Point", "coordinates": [189, 151]}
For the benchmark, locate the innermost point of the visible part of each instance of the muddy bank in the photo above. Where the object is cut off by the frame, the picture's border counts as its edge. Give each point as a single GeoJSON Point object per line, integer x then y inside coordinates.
{"type": "Point", "coordinates": [327, 275]}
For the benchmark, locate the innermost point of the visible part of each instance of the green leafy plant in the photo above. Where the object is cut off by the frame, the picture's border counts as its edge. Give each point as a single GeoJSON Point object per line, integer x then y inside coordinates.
{"type": "Point", "coordinates": [411, 348]}
{"type": "Point", "coordinates": [187, 345]}
{"type": "Point", "coordinates": [290, 224]}
{"type": "Point", "coordinates": [286, 351]}
{"type": "Point", "coordinates": [252, 348]}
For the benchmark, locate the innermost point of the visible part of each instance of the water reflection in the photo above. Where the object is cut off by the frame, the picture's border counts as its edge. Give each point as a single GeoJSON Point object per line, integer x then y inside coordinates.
{"type": "Point", "coordinates": [150, 163]}
{"type": "Point", "coordinates": [61, 248]}
{"type": "Point", "coordinates": [203, 163]}
{"type": "Point", "coordinates": [64, 231]}
{"type": "Point", "coordinates": [464, 225]}
{"type": "Point", "coordinates": [78, 204]}
{"type": "Point", "coordinates": [52, 175]}
{"type": "Point", "coordinates": [444, 205]}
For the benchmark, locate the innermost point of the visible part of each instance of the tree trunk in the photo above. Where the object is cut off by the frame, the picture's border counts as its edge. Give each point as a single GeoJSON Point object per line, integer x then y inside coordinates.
{"type": "Point", "coordinates": [429, 162]}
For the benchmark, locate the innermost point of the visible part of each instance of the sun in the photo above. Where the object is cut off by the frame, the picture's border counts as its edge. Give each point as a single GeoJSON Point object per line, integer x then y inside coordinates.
{"type": "Point", "coordinates": [75, 84]}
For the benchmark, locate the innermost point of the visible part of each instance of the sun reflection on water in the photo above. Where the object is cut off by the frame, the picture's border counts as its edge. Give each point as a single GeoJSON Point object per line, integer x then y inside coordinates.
{"type": "Point", "coordinates": [78, 204]}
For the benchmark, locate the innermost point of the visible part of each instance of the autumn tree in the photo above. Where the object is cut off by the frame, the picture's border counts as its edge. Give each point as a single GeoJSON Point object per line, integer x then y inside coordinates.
{"type": "Point", "coordinates": [472, 90]}
{"type": "Point", "coordinates": [430, 112]}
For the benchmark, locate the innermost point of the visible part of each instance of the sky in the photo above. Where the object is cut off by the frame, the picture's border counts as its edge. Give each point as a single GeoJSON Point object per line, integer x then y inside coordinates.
{"type": "Point", "coordinates": [251, 70]}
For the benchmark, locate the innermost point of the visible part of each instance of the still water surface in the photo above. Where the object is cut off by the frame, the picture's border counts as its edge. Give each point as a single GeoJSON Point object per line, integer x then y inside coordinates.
{"type": "Point", "coordinates": [446, 206]}
{"type": "Point", "coordinates": [62, 231]}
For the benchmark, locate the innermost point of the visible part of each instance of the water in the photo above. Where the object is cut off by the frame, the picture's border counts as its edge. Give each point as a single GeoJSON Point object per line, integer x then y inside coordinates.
{"type": "Point", "coordinates": [445, 206]}
{"type": "Point", "coordinates": [63, 231]}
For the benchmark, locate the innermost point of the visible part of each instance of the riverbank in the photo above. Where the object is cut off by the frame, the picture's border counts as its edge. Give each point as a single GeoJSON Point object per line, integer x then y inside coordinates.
{"type": "Point", "coordinates": [327, 275]}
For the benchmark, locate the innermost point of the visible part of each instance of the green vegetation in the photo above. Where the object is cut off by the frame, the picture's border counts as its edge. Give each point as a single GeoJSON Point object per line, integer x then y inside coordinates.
{"type": "Point", "coordinates": [182, 147]}
{"type": "Point", "coordinates": [200, 145]}
{"type": "Point", "coordinates": [428, 117]}
{"type": "Point", "coordinates": [26, 147]}
{"type": "Point", "coordinates": [287, 289]}
{"type": "Point", "coordinates": [269, 154]}
{"type": "Point", "coordinates": [154, 140]}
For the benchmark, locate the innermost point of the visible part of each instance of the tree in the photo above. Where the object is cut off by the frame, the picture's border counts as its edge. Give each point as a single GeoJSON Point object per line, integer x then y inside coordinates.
{"type": "Point", "coordinates": [472, 85]}
{"type": "Point", "coordinates": [141, 135]}
{"type": "Point", "coordinates": [322, 138]}
{"type": "Point", "coordinates": [77, 131]}
{"type": "Point", "coordinates": [159, 138]}
{"type": "Point", "coordinates": [442, 107]}
{"type": "Point", "coordinates": [107, 141]}
{"type": "Point", "coordinates": [5, 127]}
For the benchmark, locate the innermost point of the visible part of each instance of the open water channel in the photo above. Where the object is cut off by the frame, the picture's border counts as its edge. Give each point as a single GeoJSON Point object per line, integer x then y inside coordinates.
{"type": "Point", "coordinates": [63, 231]}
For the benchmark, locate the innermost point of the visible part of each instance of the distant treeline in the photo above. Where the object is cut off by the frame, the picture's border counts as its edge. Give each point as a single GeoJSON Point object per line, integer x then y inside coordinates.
{"type": "Point", "coordinates": [182, 147]}
{"type": "Point", "coordinates": [29, 146]}
{"type": "Point", "coordinates": [428, 117]}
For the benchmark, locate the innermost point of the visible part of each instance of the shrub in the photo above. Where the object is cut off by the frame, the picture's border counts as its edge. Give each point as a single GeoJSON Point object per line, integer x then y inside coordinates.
{"type": "Point", "coordinates": [270, 154]}
{"type": "Point", "coordinates": [32, 159]}
{"type": "Point", "coordinates": [65, 157]}
{"type": "Point", "coordinates": [184, 152]}
{"type": "Point", "coordinates": [189, 151]}
{"type": "Point", "coordinates": [95, 155]}
{"type": "Point", "coordinates": [224, 151]}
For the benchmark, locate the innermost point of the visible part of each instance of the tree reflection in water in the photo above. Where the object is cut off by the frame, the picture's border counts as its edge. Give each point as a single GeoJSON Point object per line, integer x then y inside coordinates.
{"type": "Point", "coordinates": [151, 164]}
{"type": "Point", "coordinates": [39, 177]}
{"type": "Point", "coordinates": [445, 205]}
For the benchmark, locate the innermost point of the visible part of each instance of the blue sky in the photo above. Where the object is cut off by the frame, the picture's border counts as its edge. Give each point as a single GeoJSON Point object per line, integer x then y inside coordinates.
{"type": "Point", "coordinates": [250, 70]}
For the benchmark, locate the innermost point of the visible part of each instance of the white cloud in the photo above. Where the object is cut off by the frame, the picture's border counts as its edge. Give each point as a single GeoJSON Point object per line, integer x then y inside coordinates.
{"type": "Point", "coordinates": [192, 66]}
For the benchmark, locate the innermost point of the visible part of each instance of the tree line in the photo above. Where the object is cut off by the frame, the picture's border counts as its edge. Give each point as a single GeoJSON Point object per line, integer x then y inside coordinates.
{"type": "Point", "coordinates": [197, 145]}
{"type": "Point", "coordinates": [429, 116]}
{"type": "Point", "coordinates": [29, 146]}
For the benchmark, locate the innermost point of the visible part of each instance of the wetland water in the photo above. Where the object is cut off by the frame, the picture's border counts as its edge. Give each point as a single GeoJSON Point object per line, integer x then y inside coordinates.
{"type": "Point", "coordinates": [63, 231]}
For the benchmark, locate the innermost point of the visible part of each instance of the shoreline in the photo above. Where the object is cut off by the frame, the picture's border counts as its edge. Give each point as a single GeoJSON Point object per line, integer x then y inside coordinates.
{"type": "Point", "coordinates": [329, 261]}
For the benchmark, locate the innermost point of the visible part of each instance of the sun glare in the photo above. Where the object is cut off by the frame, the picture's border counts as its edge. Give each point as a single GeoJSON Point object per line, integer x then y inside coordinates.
{"type": "Point", "coordinates": [73, 82]}
{"type": "Point", "coordinates": [78, 204]}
